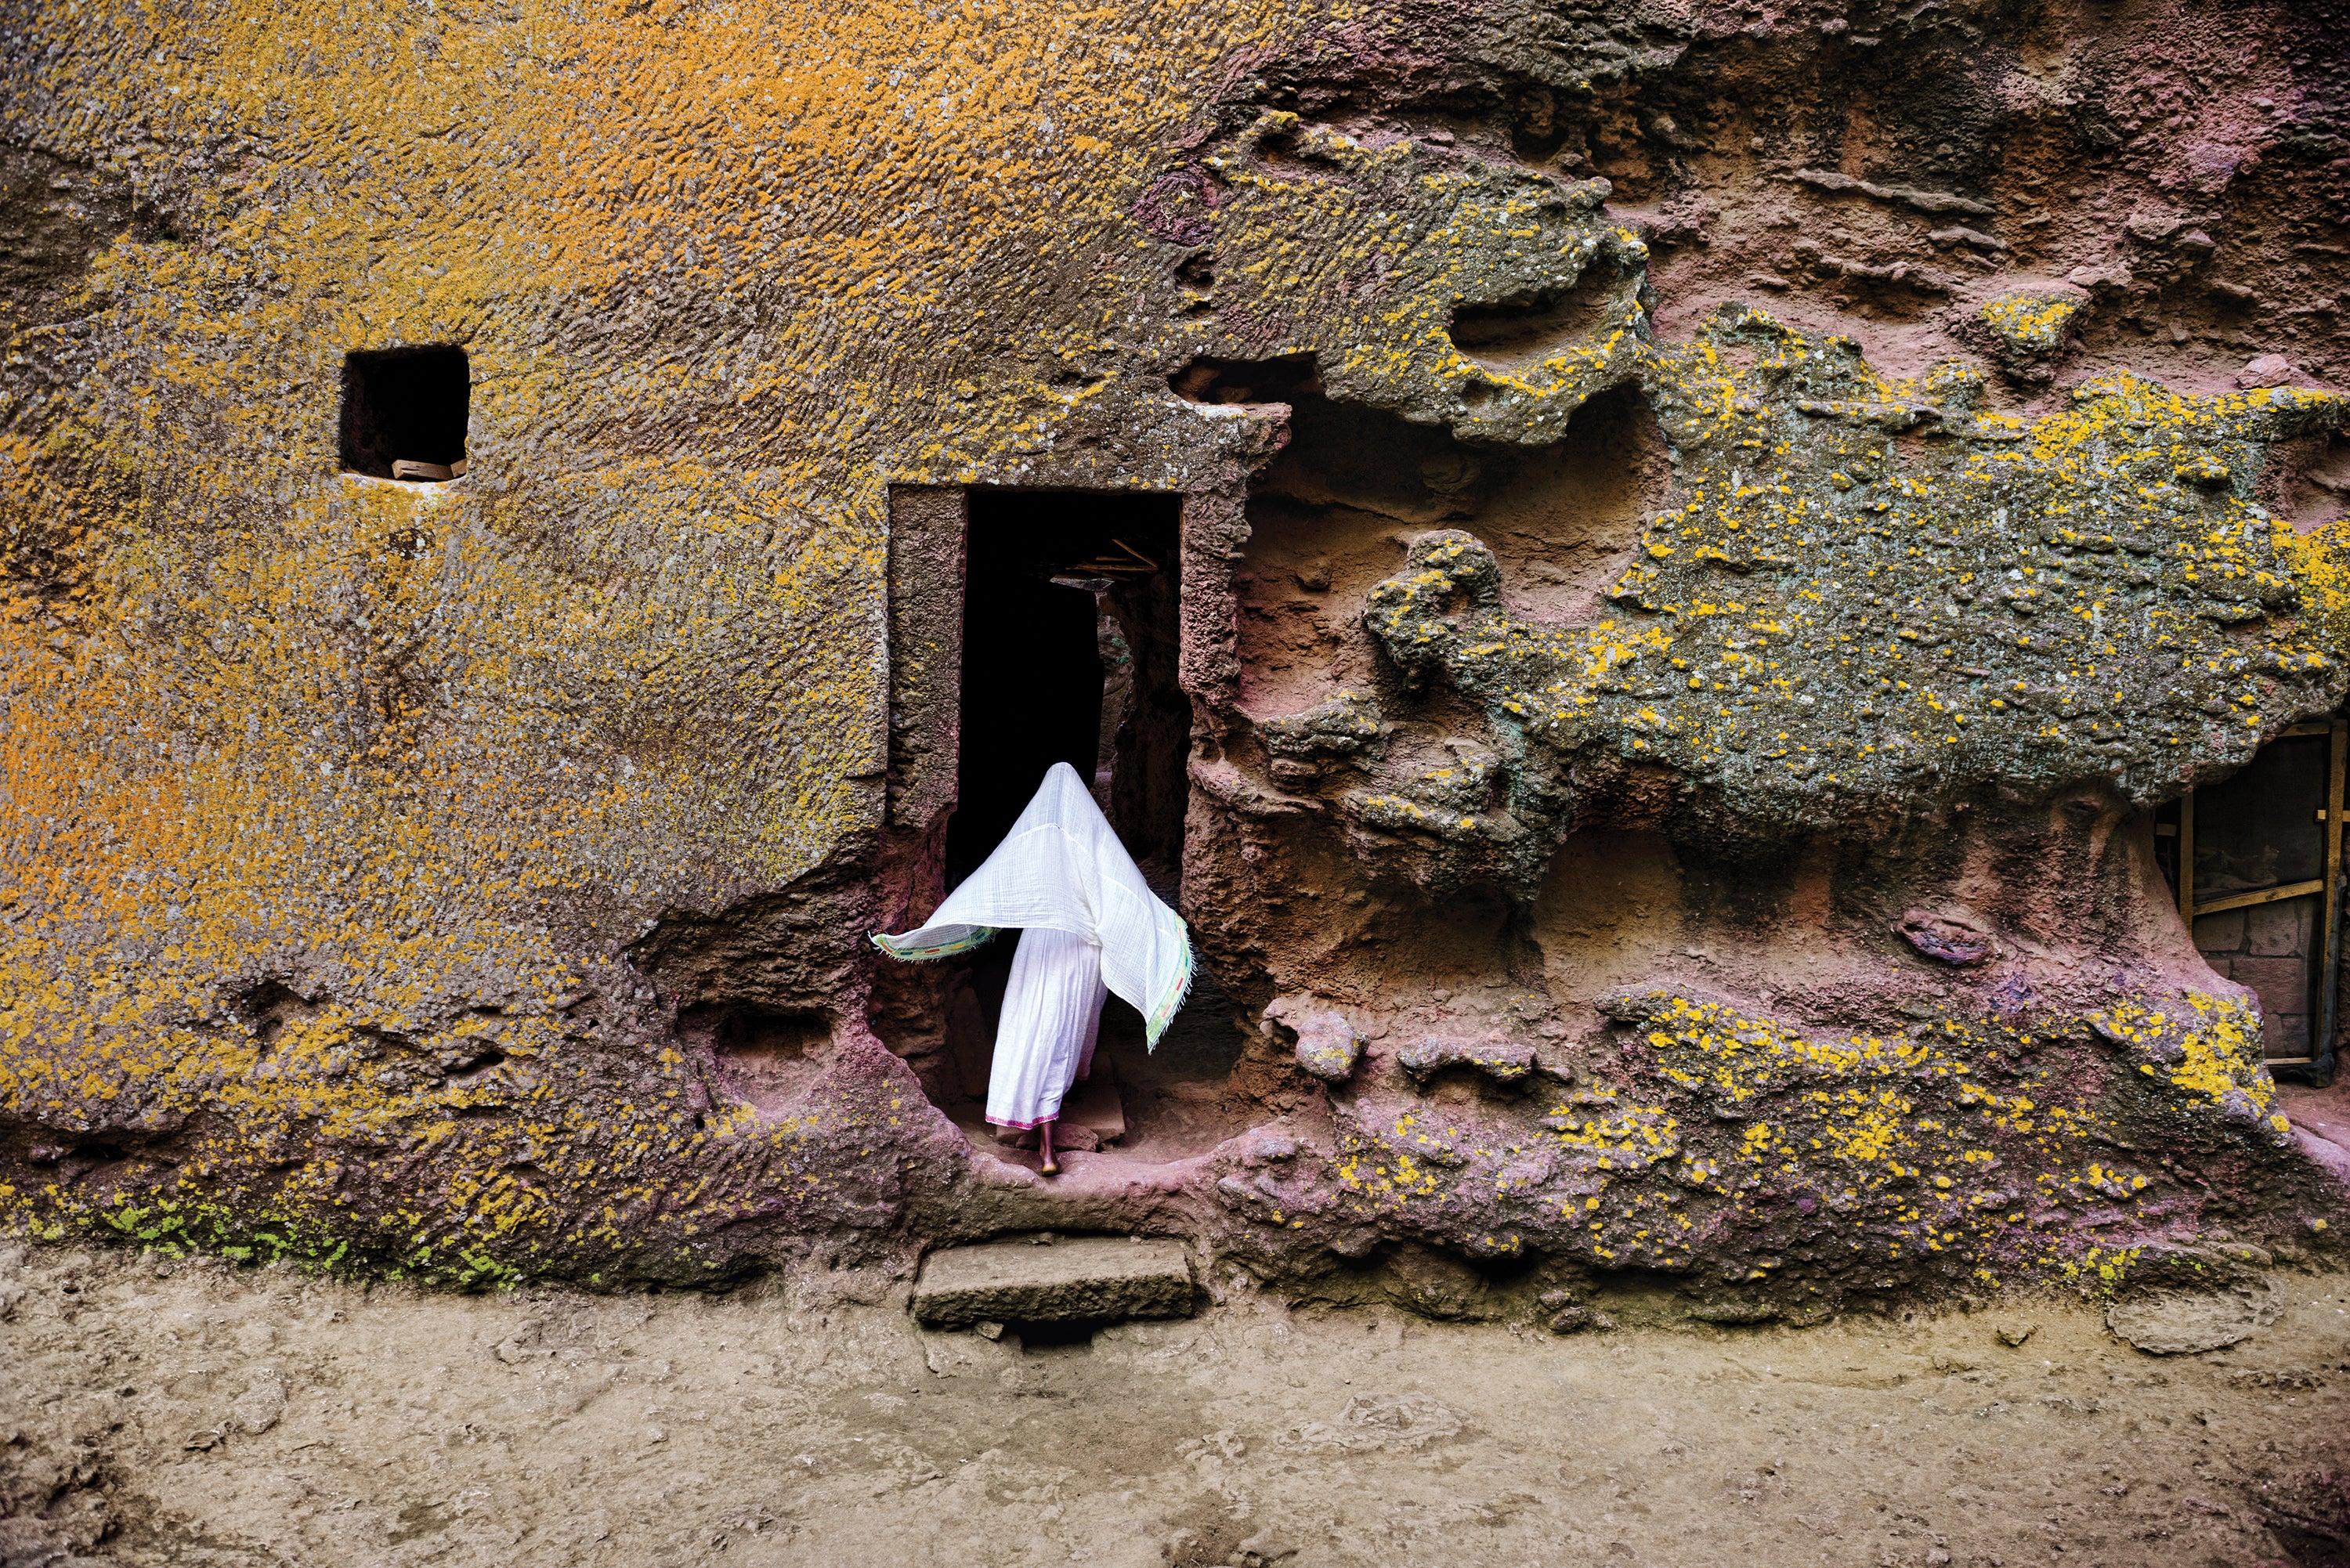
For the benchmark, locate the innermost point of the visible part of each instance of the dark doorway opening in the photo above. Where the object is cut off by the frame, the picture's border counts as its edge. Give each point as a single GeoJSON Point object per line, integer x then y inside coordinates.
{"type": "Point", "coordinates": [404, 412]}
{"type": "Point", "coordinates": [1069, 642]}
{"type": "Point", "coordinates": [1071, 633]}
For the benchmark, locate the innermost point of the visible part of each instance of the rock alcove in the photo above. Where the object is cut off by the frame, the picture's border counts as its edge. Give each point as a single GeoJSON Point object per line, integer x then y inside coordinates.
{"type": "Point", "coordinates": [404, 412]}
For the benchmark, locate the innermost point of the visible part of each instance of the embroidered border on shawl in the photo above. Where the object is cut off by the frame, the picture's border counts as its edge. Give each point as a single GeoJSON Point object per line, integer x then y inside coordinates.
{"type": "Point", "coordinates": [1172, 1003]}
{"type": "Point", "coordinates": [936, 951]}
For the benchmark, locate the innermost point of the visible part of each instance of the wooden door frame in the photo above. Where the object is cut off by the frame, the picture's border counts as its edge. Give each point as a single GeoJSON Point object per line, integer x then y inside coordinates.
{"type": "Point", "coordinates": [2337, 730]}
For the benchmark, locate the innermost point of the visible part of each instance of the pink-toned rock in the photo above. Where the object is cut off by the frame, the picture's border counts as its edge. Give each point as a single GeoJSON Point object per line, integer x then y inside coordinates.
{"type": "Point", "coordinates": [2268, 370]}
{"type": "Point", "coordinates": [1327, 1045]}
{"type": "Point", "coordinates": [1504, 1060]}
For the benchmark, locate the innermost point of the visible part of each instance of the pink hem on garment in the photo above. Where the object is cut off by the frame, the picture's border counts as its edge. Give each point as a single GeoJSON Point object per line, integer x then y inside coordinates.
{"type": "Point", "coordinates": [1031, 1126]}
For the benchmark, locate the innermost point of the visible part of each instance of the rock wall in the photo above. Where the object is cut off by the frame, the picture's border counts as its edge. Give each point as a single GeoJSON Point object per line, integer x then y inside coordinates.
{"type": "Point", "coordinates": [1706, 532]}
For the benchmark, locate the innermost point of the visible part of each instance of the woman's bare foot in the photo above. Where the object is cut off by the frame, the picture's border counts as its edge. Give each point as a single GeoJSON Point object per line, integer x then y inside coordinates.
{"type": "Point", "coordinates": [1045, 1142]}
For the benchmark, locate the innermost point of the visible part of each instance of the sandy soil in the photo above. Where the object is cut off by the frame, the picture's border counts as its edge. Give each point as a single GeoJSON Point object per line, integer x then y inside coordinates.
{"type": "Point", "coordinates": [199, 1413]}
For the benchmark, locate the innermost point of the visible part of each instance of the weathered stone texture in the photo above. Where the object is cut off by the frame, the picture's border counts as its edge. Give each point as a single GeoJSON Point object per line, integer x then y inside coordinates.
{"type": "Point", "coordinates": [2189, 1325]}
{"type": "Point", "coordinates": [1705, 533]}
{"type": "Point", "coordinates": [1085, 1279]}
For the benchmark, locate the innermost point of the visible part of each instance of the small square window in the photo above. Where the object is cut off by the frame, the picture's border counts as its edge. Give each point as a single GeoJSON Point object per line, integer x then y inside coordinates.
{"type": "Point", "coordinates": [404, 412]}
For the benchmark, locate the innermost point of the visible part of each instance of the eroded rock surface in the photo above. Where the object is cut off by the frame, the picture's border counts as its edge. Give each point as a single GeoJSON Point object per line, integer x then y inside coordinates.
{"type": "Point", "coordinates": [1704, 536]}
{"type": "Point", "coordinates": [2187, 1324]}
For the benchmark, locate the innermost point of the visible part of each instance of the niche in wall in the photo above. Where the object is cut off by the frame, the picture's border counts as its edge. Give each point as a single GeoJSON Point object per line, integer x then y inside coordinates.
{"type": "Point", "coordinates": [404, 412]}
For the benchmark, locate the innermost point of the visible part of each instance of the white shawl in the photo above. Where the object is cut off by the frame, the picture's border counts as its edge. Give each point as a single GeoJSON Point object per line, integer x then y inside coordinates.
{"type": "Point", "coordinates": [1062, 868]}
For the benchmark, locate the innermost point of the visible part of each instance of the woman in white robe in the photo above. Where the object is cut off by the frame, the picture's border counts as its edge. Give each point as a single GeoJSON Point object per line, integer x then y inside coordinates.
{"type": "Point", "coordinates": [1089, 925]}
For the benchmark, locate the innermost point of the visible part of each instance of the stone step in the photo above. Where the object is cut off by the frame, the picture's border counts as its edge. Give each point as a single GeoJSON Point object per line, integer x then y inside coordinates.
{"type": "Point", "coordinates": [1078, 1279]}
{"type": "Point", "coordinates": [1093, 1102]}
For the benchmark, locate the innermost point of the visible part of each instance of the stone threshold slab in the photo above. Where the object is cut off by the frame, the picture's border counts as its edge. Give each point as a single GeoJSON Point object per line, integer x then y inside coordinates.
{"type": "Point", "coordinates": [1081, 1279]}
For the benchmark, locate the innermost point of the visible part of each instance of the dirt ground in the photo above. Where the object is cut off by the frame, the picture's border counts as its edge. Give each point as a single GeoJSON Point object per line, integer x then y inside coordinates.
{"type": "Point", "coordinates": [200, 1414]}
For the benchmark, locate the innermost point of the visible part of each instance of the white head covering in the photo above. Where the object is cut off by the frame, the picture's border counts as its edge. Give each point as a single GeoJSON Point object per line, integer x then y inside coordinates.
{"type": "Point", "coordinates": [1062, 868]}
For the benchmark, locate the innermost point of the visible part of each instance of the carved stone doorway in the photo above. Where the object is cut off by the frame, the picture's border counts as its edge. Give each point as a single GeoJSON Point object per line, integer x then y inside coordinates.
{"type": "Point", "coordinates": [1030, 627]}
